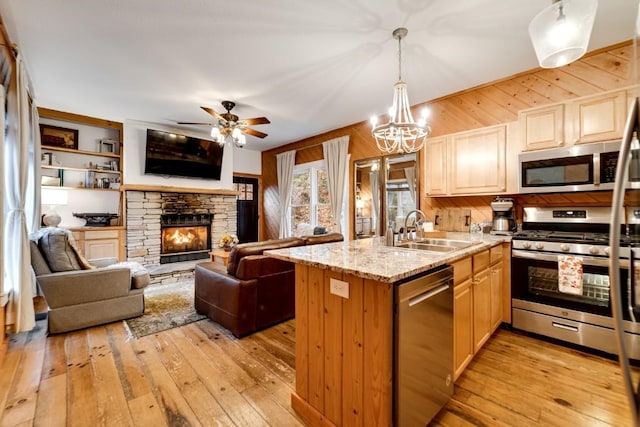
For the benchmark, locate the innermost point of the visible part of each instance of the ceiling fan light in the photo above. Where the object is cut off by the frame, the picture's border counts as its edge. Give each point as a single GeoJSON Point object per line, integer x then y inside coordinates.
{"type": "Point", "coordinates": [560, 33]}
{"type": "Point", "coordinates": [215, 133]}
{"type": "Point", "coordinates": [236, 133]}
{"type": "Point", "coordinates": [240, 141]}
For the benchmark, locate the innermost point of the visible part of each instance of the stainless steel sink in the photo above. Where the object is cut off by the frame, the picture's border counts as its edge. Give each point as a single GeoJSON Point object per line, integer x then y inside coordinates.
{"type": "Point", "coordinates": [435, 245]}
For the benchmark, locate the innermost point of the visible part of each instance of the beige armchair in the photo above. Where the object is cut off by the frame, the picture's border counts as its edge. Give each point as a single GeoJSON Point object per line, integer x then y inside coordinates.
{"type": "Point", "coordinates": [104, 291]}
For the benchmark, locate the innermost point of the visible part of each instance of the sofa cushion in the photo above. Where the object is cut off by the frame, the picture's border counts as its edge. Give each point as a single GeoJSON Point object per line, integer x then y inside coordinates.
{"type": "Point", "coordinates": [38, 262]}
{"type": "Point", "coordinates": [257, 248]}
{"type": "Point", "coordinates": [56, 249]}
{"type": "Point", "coordinates": [139, 275]}
{"type": "Point", "coordinates": [323, 238]}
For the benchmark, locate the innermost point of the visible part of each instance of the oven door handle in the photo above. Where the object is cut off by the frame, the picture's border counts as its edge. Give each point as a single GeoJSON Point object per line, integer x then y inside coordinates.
{"type": "Point", "coordinates": [546, 256]}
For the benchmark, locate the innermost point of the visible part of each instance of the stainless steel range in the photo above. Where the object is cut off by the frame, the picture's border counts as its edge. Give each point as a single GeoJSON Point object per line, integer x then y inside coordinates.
{"type": "Point", "coordinates": [552, 238]}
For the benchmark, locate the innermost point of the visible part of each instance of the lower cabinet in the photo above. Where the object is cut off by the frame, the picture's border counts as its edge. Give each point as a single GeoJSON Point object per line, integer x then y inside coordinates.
{"type": "Point", "coordinates": [107, 243]}
{"type": "Point", "coordinates": [477, 303]}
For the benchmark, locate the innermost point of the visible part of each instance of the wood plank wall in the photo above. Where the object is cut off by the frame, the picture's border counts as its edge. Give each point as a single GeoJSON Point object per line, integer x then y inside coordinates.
{"type": "Point", "coordinates": [490, 104]}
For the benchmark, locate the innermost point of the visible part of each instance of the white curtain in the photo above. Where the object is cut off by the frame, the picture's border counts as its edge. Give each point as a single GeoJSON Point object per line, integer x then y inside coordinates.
{"type": "Point", "coordinates": [375, 199]}
{"type": "Point", "coordinates": [286, 161]}
{"type": "Point", "coordinates": [336, 158]}
{"type": "Point", "coordinates": [410, 176]}
{"type": "Point", "coordinates": [17, 260]}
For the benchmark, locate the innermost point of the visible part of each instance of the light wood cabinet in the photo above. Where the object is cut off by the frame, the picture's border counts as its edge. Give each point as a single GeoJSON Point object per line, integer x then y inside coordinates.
{"type": "Point", "coordinates": [497, 284]}
{"type": "Point", "coordinates": [467, 163]}
{"type": "Point", "coordinates": [436, 166]}
{"type": "Point", "coordinates": [582, 120]}
{"type": "Point", "coordinates": [478, 302]}
{"type": "Point", "coordinates": [462, 315]}
{"type": "Point", "coordinates": [106, 243]}
{"type": "Point", "coordinates": [597, 118]}
{"type": "Point", "coordinates": [542, 127]}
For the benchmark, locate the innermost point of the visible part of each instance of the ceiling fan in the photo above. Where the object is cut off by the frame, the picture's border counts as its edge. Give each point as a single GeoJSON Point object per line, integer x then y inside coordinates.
{"type": "Point", "coordinates": [231, 124]}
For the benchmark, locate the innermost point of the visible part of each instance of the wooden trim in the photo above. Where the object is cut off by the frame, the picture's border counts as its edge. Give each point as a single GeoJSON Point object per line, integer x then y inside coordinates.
{"type": "Point", "coordinates": [71, 117]}
{"type": "Point", "coordinates": [308, 413]}
{"type": "Point", "coordinates": [302, 324]}
{"type": "Point", "coordinates": [168, 189]}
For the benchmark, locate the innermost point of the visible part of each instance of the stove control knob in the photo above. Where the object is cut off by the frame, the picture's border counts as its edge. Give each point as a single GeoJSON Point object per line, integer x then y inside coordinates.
{"type": "Point", "coordinates": [564, 247]}
{"type": "Point", "coordinates": [526, 245]}
{"type": "Point", "coordinates": [539, 245]}
{"type": "Point", "coordinates": [593, 250]}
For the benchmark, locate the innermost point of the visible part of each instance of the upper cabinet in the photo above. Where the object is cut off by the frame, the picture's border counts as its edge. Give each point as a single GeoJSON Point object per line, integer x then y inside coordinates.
{"type": "Point", "coordinates": [542, 127]}
{"type": "Point", "coordinates": [598, 118]}
{"type": "Point", "coordinates": [472, 162]}
{"type": "Point", "coordinates": [436, 166]}
{"type": "Point", "coordinates": [588, 119]}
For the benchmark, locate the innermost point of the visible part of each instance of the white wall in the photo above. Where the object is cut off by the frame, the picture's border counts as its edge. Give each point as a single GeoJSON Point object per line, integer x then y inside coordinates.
{"type": "Point", "coordinates": [135, 136]}
{"type": "Point", "coordinates": [247, 161]}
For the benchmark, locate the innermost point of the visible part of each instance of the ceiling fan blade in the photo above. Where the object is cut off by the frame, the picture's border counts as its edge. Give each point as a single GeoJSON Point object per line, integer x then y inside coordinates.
{"type": "Point", "coordinates": [254, 132]}
{"type": "Point", "coordinates": [255, 121]}
{"type": "Point", "coordinates": [212, 112]}
{"type": "Point", "coordinates": [195, 123]}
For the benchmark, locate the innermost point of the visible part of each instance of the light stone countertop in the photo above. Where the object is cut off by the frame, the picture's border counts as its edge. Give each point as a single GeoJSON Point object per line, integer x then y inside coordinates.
{"type": "Point", "coordinates": [371, 259]}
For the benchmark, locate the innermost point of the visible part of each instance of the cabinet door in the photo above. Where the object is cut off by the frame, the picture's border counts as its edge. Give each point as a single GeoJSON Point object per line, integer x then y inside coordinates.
{"type": "Point", "coordinates": [598, 118]}
{"type": "Point", "coordinates": [478, 161]}
{"type": "Point", "coordinates": [496, 295]}
{"type": "Point", "coordinates": [462, 326]}
{"type": "Point", "coordinates": [436, 166]}
{"type": "Point", "coordinates": [103, 248]}
{"type": "Point", "coordinates": [542, 127]}
{"type": "Point", "coordinates": [481, 308]}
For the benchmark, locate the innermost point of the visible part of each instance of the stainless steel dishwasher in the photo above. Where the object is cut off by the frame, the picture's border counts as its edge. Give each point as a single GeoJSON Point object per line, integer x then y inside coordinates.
{"type": "Point", "coordinates": [423, 347]}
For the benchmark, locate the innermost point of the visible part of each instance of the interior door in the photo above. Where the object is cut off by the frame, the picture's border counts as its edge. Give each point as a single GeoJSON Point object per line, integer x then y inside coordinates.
{"type": "Point", "coordinates": [247, 207]}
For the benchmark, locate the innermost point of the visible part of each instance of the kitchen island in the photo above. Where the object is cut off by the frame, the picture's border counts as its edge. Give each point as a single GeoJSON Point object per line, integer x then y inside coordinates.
{"type": "Point", "coordinates": [344, 324]}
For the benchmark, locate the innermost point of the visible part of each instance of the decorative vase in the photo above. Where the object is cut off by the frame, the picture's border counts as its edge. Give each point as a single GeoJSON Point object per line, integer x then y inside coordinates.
{"type": "Point", "coordinates": [227, 247]}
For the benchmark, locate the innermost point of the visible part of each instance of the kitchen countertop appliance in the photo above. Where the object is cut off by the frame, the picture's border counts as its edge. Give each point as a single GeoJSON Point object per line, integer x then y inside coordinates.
{"type": "Point", "coordinates": [423, 346]}
{"type": "Point", "coordinates": [504, 216]}
{"type": "Point", "coordinates": [556, 246]}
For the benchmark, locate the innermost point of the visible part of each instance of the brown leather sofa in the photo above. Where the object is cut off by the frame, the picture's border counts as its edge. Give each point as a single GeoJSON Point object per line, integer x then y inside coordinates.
{"type": "Point", "coordinates": [254, 291]}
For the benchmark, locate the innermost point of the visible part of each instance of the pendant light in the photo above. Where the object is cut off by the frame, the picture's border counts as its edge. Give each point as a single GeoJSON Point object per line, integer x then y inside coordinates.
{"type": "Point", "coordinates": [401, 134]}
{"type": "Point", "coordinates": [560, 33]}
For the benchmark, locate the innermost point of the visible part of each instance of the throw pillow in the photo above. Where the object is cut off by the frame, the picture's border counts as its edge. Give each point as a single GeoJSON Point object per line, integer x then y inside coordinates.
{"type": "Point", "coordinates": [60, 255]}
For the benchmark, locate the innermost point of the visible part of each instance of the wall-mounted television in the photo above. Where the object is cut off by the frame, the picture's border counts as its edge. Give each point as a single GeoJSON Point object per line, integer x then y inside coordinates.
{"type": "Point", "coordinates": [179, 155]}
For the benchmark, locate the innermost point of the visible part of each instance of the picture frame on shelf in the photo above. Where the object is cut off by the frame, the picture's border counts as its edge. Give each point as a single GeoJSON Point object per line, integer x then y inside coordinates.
{"type": "Point", "coordinates": [45, 159]}
{"type": "Point", "coordinates": [107, 146]}
{"type": "Point", "coordinates": [55, 136]}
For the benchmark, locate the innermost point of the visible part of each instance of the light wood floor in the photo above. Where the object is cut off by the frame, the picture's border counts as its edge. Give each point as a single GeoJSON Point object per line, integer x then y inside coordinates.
{"type": "Point", "coordinates": [199, 374]}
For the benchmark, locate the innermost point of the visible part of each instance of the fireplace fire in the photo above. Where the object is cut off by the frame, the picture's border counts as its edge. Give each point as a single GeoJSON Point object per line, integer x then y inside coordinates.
{"type": "Point", "coordinates": [184, 237]}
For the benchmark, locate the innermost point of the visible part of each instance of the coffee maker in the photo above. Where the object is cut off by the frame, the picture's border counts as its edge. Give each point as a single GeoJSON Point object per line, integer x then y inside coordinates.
{"type": "Point", "coordinates": [504, 216]}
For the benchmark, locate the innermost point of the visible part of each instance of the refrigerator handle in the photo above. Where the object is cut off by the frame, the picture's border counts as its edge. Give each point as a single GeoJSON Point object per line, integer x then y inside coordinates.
{"type": "Point", "coordinates": [631, 286]}
{"type": "Point", "coordinates": [632, 125]}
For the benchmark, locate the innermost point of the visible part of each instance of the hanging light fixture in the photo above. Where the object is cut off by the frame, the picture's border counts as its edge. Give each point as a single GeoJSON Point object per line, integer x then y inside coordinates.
{"type": "Point", "coordinates": [560, 33]}
{"type": "Point", "coordinates": [401, 134]}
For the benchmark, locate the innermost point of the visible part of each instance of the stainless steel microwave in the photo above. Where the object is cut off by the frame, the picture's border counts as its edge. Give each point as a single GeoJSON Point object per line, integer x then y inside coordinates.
{"type": "Point", "coordinates": [588, 167]}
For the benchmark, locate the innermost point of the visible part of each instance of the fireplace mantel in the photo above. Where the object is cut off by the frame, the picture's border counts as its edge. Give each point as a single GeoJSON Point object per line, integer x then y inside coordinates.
{"type": "Point", "coordinates": [169, 189]}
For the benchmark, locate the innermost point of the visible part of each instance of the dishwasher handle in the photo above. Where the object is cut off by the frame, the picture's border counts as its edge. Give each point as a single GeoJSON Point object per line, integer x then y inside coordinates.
{"type": "Point", "coordinates": [426, 295]}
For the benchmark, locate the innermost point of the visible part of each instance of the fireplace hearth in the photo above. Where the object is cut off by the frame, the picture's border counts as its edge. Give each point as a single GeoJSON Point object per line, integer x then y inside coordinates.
{"type": "Point", "coordinates": [184, 237]}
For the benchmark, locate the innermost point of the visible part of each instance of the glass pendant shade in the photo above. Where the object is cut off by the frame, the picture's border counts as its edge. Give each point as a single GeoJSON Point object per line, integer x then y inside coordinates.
{"type": "Point", "coordinates": [560, 33]}
{"type": "Point", "coordinates": [215, 133]}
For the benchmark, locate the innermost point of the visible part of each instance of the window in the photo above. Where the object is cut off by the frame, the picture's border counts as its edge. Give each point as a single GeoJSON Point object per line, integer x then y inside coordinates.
{"type": "Point", "coordinates": [310, 196]}
{"type": "Point", "coordinates": [245, 189]}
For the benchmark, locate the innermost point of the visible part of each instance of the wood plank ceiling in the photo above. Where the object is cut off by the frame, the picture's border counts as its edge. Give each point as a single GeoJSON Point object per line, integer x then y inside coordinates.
{"type": "Point", "coordinates": [494, 103]}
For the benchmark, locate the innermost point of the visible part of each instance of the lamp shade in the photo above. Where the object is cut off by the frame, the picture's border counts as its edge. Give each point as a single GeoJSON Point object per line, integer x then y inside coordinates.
{"type": "Point", "coordinates": [560, 33]}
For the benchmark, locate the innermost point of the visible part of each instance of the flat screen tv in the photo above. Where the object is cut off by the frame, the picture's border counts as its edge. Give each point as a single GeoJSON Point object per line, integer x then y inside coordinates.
{"type": "Point", "coordinates": [178, 155]}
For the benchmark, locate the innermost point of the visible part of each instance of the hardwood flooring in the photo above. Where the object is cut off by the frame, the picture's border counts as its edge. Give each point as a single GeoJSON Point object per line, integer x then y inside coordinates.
{"type": "Point", "coordinates": [200, 374]}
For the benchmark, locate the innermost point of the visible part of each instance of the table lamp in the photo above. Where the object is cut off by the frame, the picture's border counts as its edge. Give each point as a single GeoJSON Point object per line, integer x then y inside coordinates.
{"type": "Point", "coordinates": [53, 198]}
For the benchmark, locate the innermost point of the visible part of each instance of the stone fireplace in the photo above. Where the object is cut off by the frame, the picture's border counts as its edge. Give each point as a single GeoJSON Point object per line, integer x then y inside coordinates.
{"type": "Point", "coordinates": [151, 212]}
{"type": "Point", "coordinates": [184, 237]}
